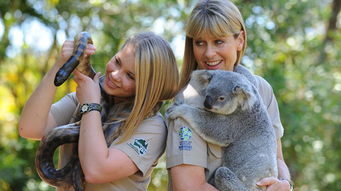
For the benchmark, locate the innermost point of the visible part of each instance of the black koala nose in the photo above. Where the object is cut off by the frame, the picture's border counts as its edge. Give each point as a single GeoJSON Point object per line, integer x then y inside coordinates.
{"type": "Point", "coordinates": [208, 102]}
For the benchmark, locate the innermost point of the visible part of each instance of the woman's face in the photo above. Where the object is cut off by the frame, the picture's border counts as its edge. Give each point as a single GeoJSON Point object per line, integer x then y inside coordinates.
{"type": "Point", "coordinates": [213, 53]}
{"type": "Point", "coordinates": [120, 74]}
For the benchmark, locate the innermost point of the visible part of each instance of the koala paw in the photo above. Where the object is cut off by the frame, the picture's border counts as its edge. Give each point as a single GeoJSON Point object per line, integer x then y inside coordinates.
{"type": "Point", "coordinates": [174, 112]}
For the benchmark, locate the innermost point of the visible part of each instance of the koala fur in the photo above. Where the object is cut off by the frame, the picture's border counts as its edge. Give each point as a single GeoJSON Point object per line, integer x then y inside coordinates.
{"type": "Point", "coordinates": [226, 109]}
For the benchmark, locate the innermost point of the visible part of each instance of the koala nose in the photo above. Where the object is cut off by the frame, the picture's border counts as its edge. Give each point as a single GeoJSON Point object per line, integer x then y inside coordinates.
{"type": "Point", "coordinates": [208, 102]}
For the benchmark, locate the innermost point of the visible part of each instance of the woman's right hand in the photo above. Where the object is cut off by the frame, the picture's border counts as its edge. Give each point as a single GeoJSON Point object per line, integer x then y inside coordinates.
{"type": "Point", "coordinates": [67, 51]}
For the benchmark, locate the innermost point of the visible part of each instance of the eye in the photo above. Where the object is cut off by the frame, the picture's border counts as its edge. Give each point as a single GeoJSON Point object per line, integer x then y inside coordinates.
{"type": "Point", "coordinates": [131, 76]}
{"type": "Point", "coordinates": [221, 98]}
{"type": "Point", "coordinates": [218, 42]}
{"type": "Point", "coordinates": [199, 43]}
{"type": "Point", "coordinates": [117, 61]}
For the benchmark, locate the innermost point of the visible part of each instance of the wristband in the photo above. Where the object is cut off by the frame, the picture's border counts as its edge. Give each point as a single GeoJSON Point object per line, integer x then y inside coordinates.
{"type": "Point", "coordinates": [90, 107]}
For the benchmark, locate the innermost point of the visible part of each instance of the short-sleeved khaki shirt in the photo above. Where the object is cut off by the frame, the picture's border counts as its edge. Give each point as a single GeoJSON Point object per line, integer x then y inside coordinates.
{"type": "Point", "coordinates": [185, 146]}
{"type": "Point", "coordinates": [144, 148]}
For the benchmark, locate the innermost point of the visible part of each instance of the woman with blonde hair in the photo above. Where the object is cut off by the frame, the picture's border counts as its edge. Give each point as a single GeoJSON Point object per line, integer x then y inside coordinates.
{"type": "Point", "coordinates": [140, 76]}
{"type": "Point", "coordinates": [215, 39]}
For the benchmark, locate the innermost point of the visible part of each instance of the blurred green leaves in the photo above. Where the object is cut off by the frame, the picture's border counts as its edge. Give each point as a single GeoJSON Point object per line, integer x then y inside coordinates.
{"type": "Point", "coordinates": [286, 45]}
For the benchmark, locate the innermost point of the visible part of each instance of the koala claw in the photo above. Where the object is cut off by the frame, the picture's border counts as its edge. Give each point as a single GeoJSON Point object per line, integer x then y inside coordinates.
{"type": "Point", "coordinates": [175, 111]}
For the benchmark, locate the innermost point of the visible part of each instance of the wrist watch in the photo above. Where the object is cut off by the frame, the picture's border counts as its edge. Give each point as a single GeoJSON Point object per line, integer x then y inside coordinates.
{"type": "Point", "coordinates": [89, 107]}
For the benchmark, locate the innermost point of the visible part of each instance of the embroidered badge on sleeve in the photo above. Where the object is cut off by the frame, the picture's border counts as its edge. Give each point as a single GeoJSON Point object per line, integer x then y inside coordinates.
{"type": "Point", "coordinates": [185, 135]}
{"type": "Point", "coordinates": [140, 146]}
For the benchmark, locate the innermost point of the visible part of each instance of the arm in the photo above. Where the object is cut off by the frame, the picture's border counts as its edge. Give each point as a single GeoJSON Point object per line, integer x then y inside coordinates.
{"type": "Point", "coordinates": [283, 170]}
{"type": "Point", "coordinates": [187, 157]}
{"type": "Point", "coordinates": [270, 101]}
{"type": "Point", "coordinates": [35, 118]}
{"type": "Point", "coordinates": [282, 183]}
{"type": "Point", "coordinates": [99, 163]}
{"type": "Point", "coordinates": [189, 177]}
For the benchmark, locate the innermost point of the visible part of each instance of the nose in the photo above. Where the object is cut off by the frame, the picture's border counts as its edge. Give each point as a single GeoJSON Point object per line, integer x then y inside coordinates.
{"type": "Point", "coordinates": [209, 52]}
{"type": "Point", "coordinates": [116, 75]}
{"type": "Point", "coordinates": [208, 102]}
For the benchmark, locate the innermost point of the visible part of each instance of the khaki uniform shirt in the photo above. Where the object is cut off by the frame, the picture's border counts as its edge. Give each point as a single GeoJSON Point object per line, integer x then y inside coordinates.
{"type": "Point", "coordinates": [185, 146]}
{"type": "Point", "coordinates": [144, 148]}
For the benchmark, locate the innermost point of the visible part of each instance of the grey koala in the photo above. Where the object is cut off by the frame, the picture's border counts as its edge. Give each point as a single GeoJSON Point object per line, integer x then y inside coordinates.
{"type": "Point", "coordinates": [226, 109]}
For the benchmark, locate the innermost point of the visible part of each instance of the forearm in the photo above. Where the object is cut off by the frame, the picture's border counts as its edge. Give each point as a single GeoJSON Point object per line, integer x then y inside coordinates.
{"type": "Point", "coordinates": [194, 187]}
{"type": "Point", "coordinates": [93, 150]}
{"type": "Point", "coordinates": [34, 116]}
{"type": "Point", "coordinates": [283, 170]}
{"type": "Point", "coordinates": [189, 178]}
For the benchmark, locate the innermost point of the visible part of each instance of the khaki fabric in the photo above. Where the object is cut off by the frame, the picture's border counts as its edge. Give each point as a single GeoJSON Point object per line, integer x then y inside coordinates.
{"type": "Point", "coordinates": [144, 148]}
{"type": "Point", "coordinates": [185, 146]}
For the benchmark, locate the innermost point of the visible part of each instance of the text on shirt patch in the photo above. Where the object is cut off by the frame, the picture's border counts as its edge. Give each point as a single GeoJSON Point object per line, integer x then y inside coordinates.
{"type": "Point", "coordinates": [185, 135]}
{"type": "Point", "coordinates": [140, 146]}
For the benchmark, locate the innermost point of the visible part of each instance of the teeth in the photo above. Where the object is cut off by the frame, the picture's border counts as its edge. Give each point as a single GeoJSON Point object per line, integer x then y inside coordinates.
{"type": "Point", "coordinates": [212, 63]}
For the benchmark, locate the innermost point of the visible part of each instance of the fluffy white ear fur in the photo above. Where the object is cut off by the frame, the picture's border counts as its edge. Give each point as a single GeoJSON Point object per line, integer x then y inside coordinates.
{"type": "Point", "coordinates": [245, 98]}
{"type": "Point", "coordinates": [200, 78]}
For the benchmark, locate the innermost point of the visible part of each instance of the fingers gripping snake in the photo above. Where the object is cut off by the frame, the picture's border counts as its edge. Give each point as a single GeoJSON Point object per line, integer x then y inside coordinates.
{"type": "Point", "coordinates": [112, 117]}
{"type": "Point", "coordinates": [64, 72]}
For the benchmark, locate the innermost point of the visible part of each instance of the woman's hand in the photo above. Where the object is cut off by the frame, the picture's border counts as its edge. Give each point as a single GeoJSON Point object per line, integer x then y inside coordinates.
{"type": "Point", "coordinates": [88, 90]}
{"type": "Point", "coordinates": [274, 184]}
{"type": "Point", "coordinates": [67, 51]}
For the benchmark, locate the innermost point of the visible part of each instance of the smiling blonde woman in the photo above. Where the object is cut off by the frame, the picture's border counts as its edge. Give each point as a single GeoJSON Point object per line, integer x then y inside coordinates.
{"type": "Point", "coordinates": [137, 79]}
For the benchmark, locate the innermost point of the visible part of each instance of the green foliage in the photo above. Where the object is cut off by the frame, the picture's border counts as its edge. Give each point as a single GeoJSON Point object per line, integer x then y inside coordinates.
{"type": "Point", "coordinates": [287, 45]}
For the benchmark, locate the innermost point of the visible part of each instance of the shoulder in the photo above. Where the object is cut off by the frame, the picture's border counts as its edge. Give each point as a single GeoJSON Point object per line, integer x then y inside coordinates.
{"type": "Point", "coordinates": [265, 90]}
{"type": "Point", "coordinates": [262, 84]}
{"type": "Point", "coordinates": [153, 124]}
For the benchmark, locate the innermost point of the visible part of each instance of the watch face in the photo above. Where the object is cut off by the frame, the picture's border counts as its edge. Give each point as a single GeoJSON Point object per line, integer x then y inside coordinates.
{"type": "Point", "coordinates": [84, 108]}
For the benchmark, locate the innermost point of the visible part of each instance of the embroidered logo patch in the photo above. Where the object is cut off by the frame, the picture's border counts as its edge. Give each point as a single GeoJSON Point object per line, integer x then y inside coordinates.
{"type": "Point", "coordinates": [185, 135]}
{"type": "Point", "coordinates": [140, 146]}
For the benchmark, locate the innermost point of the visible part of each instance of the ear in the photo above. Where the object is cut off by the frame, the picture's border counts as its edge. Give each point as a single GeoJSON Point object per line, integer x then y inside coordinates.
{"type": "Point", "coordinates": [245, 98]}
{"type": "Point", "coordinates": [202, 76]}
{"type": "Point", "coordinates": [240, 40]}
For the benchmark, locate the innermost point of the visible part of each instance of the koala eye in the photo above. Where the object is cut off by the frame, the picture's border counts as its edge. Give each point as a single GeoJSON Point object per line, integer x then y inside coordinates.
{"type": "Point", "coordinates": [221, 98]}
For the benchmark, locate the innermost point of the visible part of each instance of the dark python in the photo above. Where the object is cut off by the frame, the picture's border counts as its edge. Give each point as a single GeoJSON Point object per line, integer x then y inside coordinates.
{"type": "Point", "coordinates": [71, 174]}
{"type": "Point", "coordinates": [77, 57]}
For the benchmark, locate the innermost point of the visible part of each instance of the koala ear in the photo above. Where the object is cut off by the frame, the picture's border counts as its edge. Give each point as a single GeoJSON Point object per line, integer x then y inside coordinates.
{"type": "Point", "coordinates": [203, 76]}
{"type": "Point", "coordinates": [245, 98]}
{"type": "Point", "coordinates": [242, 91]}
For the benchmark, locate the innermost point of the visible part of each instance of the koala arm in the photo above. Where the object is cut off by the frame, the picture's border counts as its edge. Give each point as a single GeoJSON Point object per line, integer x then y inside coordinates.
{"type": "Point", "coordinates": [211, 127]}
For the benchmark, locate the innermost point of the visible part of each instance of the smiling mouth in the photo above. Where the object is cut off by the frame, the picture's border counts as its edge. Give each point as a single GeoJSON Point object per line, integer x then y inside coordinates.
{"type": "Point", "coordinates": [111, 83]}
{"type": "Point", "coordinates": [215, 63]}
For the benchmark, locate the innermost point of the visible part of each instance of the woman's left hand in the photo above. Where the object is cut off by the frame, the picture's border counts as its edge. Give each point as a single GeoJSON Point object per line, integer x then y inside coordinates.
{"type": "Point", "coordinates": [88, 90]}
{"type": "Point", "coordinates": [274, 184]}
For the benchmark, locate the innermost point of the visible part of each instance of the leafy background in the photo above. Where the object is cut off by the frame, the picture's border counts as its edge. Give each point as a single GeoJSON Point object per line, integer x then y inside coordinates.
{"type": "Point", "coordinates": [294, 44]}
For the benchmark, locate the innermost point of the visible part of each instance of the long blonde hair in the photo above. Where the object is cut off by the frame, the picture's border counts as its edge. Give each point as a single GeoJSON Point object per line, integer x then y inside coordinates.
{"type": "Point", "coordinates": [157, 78]}
{"type": "Point", "coordinates": [219, 18]}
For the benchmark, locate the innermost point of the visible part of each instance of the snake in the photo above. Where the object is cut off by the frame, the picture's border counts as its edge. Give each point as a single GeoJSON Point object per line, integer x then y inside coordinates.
{"type": "Point", "coordinates": [78, 56]}
{"type": "Point", "coordinates": [71, 174]}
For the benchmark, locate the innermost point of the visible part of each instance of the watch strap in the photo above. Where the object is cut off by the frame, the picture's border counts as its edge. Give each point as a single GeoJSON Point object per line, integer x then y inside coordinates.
{"type": "Point", "coordinates": [90, 107]}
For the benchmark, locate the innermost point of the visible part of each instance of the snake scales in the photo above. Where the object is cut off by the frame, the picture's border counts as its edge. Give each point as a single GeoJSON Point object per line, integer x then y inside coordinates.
{"type": "Point", "coordinates": [71, 174]}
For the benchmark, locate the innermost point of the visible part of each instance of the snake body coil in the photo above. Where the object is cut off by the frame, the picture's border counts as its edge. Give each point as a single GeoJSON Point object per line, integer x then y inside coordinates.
{"type": "Point", "coordinates": [71, 174]}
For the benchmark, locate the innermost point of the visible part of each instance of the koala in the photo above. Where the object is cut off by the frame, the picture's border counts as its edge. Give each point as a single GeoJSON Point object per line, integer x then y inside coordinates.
{"type": "Point", "coordinates": [225, 109]}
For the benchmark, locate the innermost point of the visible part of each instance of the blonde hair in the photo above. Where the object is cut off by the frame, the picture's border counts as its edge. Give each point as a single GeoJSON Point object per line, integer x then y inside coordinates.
{"type": "Point", "coordinates": [219, 18]}
{"type": "Point", "coordinates": [156, 75]}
